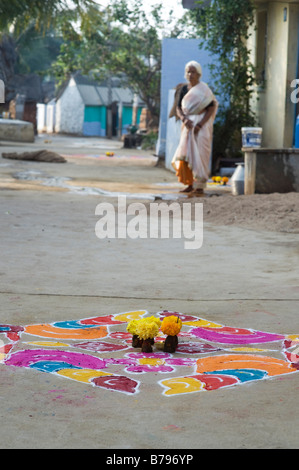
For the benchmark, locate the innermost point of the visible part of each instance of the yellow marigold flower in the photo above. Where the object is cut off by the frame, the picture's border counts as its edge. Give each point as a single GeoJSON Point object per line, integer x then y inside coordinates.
{"type": "Point", "coordinates": [171, 326]}
{"type": "Point", "coordinates": [131, 328]}
{"type": "Point", "coordinates": [153, 319]}
{"type": "Point", "coordinates": [147, 329]}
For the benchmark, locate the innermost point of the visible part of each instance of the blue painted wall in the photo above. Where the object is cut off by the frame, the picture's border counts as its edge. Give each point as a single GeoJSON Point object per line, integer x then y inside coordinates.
{"type": "Point", "coordinates": [95, 120]}
{"type": "Point", "coordinates": [175, 54]}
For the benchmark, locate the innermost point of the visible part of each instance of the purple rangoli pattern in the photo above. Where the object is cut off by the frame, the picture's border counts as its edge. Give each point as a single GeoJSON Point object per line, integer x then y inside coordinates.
{"type": "Point", "coordinates": [93, 350]}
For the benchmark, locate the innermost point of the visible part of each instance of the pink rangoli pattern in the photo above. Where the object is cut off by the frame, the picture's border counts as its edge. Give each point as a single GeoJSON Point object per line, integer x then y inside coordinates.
{"type": "Point", "coordinates": [91, 349]}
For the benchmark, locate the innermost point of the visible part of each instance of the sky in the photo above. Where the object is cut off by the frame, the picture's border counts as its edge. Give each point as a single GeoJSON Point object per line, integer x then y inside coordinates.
{"type": "Point", "coordinates": [175, 5]}
{"type": "Point", "coordinates": [168, 5]}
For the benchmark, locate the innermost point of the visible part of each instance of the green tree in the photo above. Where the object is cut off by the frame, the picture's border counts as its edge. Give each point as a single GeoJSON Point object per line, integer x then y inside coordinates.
{"type": "Point", "coordinates": [136, 52]}
{"type": "Point", "coordinates": [21, 13]}
{"type": "Point", "coordinates": [36, 51]}
{"type": "Point", "coordinates": [121, 40]}
{"type": "Point", "coordinates": [27, 42]}
{"type": "Point", "coordinates": [224, 29]}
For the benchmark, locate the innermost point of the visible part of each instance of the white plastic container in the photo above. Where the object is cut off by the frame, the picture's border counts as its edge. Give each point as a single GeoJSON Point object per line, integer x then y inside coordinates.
{"type": "Point", "coordinates": [237, 180]}
{"type": "Point", "coordinates": [252, 137]}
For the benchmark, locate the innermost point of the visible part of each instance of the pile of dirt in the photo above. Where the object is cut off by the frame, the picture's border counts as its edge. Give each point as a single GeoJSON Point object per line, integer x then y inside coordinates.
{"type": "Point", "coordinates": [273, 212]}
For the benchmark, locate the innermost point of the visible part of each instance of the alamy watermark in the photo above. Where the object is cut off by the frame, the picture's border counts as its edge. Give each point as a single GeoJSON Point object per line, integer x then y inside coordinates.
{"type": "Point", "coordinates": [158, 220]}
{"type": "Point", "coordinates": [295, 93]}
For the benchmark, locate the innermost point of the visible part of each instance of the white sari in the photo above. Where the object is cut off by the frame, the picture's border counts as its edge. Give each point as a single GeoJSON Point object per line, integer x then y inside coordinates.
{"type": "Point", "coordinates": [196, 148]}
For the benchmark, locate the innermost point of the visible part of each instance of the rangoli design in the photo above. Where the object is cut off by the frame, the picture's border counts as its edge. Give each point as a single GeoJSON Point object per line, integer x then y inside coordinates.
{"type": "Point", "coordinates": [89, 350]}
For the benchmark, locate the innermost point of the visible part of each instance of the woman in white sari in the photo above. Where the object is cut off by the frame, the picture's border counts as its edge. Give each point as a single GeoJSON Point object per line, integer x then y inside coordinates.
{"type": "Point", "coordinates": [197, 108]}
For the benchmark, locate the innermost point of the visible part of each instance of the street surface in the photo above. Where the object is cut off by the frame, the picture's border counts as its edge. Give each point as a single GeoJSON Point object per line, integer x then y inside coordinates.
{"type": "Point", "coordinates": [55, 269]}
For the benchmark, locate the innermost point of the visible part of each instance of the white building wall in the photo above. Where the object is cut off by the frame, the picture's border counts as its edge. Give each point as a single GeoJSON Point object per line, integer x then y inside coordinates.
{"type": "Point", "coordinates": [173, 130]}
{"type": "Point", "coordinates": [274, 109]}
{"type": "Point", "coordinates": [51, 117]}
{"type": "Point", "coordinates": [277, 39]}
{"type": "Point", "coordinates": [41, 117]}
{"type": "Point", "coordinates": [70, 111]}
{"type": "Point", "coordinates": [2, 92]}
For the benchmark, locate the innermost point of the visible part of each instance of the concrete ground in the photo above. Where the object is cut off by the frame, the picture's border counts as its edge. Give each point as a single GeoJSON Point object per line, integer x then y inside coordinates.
{"type": "Point", "coordinates": [54, 268]}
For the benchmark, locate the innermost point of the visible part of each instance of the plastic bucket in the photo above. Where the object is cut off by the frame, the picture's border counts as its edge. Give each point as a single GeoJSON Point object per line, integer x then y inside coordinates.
{"type": "Point", "coordinates": [252, 137]}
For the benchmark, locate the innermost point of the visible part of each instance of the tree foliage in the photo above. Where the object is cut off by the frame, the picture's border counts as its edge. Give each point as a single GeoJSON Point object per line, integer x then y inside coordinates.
{"type": "Point", "coordinates": [36, 51]}
{"type": "Point", "coordinates": [21, 13]}
{"type": "Point", "coordinates": [224, 27]}
{"type": "Point", "coordinates": [27, 39]}
{"type": "Point", "coordinates": [120, 40]}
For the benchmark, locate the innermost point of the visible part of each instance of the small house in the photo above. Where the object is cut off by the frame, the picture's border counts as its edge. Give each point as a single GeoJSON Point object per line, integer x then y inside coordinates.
{"type": "Point", "coordinates": [83, 105]}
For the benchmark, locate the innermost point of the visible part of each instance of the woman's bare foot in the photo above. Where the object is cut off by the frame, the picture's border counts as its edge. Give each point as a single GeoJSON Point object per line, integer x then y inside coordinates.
{"type": "Point", "coordinates": [198, 192]}
{"type": "Point", "coordinates": [188, 189]}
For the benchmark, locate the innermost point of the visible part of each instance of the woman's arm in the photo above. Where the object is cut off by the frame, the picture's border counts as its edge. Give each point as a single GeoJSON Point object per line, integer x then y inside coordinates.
{"type": "Point", "coordinates": [179, 111]}
{"type": "Point", "coordinates": [183, 118]}
{"type": "Point", "coordinates": [208, 114]}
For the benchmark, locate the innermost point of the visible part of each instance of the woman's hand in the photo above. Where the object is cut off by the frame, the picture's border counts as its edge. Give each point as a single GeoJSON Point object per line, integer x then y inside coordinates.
{"type": "Point", "coordinates": [197, 128]}
{"type": "Point", "coordinates": [188, 123]}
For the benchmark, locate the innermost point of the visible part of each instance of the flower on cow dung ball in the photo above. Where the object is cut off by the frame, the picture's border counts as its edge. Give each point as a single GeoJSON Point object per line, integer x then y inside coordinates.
{"type": "Point", "coordinates": [171, 326]}
{"type": "Point", "coordinates": [131, 328]}
{"type": "Point", "coordinates": [146, 329]}
{"type": "Point", "coordinates": [154, 319]}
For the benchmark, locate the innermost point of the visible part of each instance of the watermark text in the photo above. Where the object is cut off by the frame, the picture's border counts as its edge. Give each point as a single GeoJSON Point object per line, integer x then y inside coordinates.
{"type": "Point", "coordinates": [295, 93]}
{"type": "Point", "coordinates": [158, 220]}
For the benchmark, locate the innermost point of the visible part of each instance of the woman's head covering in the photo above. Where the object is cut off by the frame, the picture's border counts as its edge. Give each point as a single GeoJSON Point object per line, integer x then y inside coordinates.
{"type": "Point", "coordinates": [195, 64]}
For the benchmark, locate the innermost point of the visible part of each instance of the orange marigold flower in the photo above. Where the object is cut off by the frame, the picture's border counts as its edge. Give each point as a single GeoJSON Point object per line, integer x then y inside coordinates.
{"type": "Point", "coordinates": [171, 325]}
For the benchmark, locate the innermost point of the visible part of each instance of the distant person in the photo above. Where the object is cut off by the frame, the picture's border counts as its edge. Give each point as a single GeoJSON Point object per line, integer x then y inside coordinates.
{"type": "Point", "coordinates": [196, 106]}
